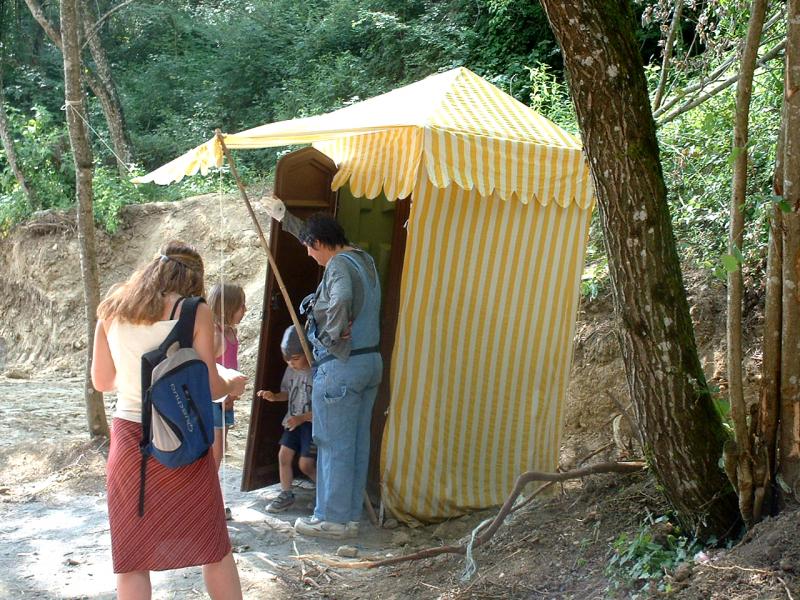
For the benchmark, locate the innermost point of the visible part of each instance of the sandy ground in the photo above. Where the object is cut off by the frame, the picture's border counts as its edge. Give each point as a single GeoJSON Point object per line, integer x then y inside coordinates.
{"type": "Point", "coordinates": [54, 539]}
{"type": "Point", "coordinates": [54, 523]}
{"type": "Point", "coordinates": [54, 529]}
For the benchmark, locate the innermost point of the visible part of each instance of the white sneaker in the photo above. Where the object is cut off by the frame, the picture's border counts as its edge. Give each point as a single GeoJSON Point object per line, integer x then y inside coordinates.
{"type": "Point", "coordinates": [318, 528]}
{"type": "Point", "coordinates": [352, 528]}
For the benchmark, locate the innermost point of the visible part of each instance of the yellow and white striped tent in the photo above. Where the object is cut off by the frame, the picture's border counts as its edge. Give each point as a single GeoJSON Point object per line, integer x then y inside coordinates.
{"type": "Point", "coordinates": [501, 204]}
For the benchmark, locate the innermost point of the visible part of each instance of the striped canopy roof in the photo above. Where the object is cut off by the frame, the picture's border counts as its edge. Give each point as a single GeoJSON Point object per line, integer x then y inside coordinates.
{"type": "Point", "coordinates": [462, 129]}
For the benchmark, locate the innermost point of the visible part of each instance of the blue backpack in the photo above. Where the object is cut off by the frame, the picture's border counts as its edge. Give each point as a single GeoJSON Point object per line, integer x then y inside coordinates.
{"type": "Point", "coordinates": [177, 417]}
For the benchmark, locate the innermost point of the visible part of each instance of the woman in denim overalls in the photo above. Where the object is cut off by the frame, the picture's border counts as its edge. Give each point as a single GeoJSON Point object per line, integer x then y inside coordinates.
{"type": "Point", "coordinates": [343, 326]}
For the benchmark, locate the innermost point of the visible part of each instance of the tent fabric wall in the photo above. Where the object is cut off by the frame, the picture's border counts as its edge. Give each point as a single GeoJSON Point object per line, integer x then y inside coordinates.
{"type": "Point", "coordinates": [480, 367]}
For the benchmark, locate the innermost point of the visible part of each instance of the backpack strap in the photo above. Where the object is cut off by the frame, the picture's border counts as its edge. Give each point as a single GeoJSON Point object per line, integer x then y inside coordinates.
{"type": "Point", "coordinates": [183, 332]}
{"type": "Point", "coordinates": [175, 307]}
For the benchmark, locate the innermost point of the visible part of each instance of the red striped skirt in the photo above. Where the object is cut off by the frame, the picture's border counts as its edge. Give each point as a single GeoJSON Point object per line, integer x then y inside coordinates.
{"type": "Point", "coordinates": [184, 519]}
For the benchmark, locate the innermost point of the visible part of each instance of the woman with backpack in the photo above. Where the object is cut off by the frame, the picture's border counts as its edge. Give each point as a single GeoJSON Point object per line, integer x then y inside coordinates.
{"type": "Point", "coordinates": [184, 521]}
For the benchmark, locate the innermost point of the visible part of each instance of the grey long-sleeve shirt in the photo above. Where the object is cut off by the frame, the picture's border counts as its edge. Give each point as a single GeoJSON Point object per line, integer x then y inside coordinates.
{"type": "Point", "coordinates": [339, 296]}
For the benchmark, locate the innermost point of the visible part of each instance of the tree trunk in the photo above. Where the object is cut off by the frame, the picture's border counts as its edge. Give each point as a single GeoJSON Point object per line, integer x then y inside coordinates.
{"type": "Point", "coordinates": [790, 329]}
{"type": "Point", "coordinates": [11, 155]}
{"type": "Point", "coordinates": [680, 428]}
{"type": "Point", "coordinates": [74, 99]}
{"type": "Point", "coordinates": [109, 98]}
{"type": "Point", "coordinates": [109, 101]}
{"type": "Point", "coordinates": [766, 427]}
{"type": "Point", "coordinates": [739, 414]}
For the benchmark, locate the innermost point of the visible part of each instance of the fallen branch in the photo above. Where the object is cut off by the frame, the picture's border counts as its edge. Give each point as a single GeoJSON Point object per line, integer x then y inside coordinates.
{"type": "Point", "coordinates": [506, 509]}
{"type": "Point", "coordinates": [543, 487]}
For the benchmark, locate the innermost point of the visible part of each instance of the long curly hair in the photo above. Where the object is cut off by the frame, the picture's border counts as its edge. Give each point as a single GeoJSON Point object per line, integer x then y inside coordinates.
{"type": "Point", "coordinates": [178, 268]}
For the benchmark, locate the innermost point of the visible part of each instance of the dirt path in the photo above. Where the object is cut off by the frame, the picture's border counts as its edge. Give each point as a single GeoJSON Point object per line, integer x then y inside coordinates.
{"type": "Point", "coordinates": [54, 524]}
{"type": "Point", "coordinates": [54, 539]}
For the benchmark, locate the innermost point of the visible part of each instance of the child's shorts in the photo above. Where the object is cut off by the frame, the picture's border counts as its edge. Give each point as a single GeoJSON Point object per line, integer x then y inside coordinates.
{"type": "Point", "coordinates": [218, 416]}
{"type": "Point", "coordinates": [299, 440]}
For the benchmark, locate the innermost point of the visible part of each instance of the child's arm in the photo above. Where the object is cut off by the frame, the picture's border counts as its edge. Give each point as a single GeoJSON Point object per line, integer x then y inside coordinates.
{"type": "Point", "coordinates": [297, 420]}
{"type": "Point", "coordinates": [273, 396]}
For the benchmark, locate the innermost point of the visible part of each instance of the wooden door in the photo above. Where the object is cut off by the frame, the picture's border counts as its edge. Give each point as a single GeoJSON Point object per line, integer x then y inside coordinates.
{"type": "Point", "coordinates": [303, 181]}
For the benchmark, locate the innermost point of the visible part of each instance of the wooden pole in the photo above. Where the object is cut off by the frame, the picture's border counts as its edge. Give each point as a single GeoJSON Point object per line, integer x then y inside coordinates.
{"type": "Point", "coordinates": [270, 258]}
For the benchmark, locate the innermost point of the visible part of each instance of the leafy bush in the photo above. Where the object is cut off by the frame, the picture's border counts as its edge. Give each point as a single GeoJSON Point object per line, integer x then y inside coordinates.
{"type": "Point", "coordinates": [42, 148]}
{"type": "Point", "coordinates": [44, 154]}
{"type": "Point", "coordinates": [697, 155]}
{"type": "Point", "coordinates": [641, 561]}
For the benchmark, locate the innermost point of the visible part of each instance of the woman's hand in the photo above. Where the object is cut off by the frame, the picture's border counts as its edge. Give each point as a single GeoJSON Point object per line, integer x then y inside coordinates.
{"type": "Point", "coordinates": [236, 385]}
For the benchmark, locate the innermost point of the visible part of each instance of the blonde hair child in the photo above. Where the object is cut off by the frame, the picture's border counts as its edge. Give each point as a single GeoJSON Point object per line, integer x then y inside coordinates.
{"type": "Point", "coordinates": [227, 304]}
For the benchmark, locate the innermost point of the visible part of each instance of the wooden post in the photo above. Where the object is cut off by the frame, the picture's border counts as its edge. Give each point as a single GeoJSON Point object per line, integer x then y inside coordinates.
{"type": "Point", "coordinates": [270, 258]}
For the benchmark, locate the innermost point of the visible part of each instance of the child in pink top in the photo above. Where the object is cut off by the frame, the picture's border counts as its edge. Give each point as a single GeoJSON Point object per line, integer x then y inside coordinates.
{"type": "Point", "coordinates": [227, 304]}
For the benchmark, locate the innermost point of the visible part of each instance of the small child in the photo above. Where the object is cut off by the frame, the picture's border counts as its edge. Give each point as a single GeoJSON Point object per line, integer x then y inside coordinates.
{"type": "Point", "coordinates": [296, 389]}
{"type": "Point", "coordinates": [227, 304]}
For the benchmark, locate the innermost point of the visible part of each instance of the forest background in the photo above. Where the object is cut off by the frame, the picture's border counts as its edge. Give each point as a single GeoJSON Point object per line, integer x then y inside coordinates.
{"type": "Point", "coordinates": [182, 69]}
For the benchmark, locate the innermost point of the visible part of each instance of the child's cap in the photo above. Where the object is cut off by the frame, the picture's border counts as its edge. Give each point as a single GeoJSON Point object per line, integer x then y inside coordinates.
{"type": "Point", "coordinates": [290, 344]}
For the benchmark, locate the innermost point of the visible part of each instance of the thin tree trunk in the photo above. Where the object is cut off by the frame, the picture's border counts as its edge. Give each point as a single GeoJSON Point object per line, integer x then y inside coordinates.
{"type": "Point", "coordinates": [766, 426]}
{"type": "Point", "coordinates": [74, 99]}
{"type": "Point", "coordinates": [744, 92]}
{"type": "Point", "coordinates": [677, 421]}
{"type": "Point", "coordinates": [11, 154]}
{"type": "Point", "coordinates": [109, 102]}
{"type": "Point", "coordinates": [109, 99]}
{"type": "Point", "coordinates": [668, 45]}
{"type": "Point", "coordinates": [790, 328]}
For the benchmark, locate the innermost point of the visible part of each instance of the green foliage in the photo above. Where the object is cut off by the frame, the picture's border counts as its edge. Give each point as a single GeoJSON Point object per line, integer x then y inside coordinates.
{"type": "Point", "coordinates": [550, 97]}
{"type": "Point", "coordinates": [185, 68]}
{"type": "Point", "coordinates": [42, 150]}
{"type": "Point", "coordinates": [112, 193]}
{"type": "Point", "coordinates": [639, 562]}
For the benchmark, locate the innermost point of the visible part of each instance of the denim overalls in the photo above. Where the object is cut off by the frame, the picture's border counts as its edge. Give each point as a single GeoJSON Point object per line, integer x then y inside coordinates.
{"type": "Point", "coordinates": [342, 399]}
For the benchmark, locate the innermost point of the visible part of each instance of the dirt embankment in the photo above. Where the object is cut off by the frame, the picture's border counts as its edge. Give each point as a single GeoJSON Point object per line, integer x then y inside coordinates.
{"type": "Point", "coordinates": [42, 327]}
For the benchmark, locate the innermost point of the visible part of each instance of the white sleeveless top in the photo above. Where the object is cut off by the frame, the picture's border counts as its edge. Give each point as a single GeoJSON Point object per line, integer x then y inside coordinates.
{"type": "Point", "coordinates": [128, 342]}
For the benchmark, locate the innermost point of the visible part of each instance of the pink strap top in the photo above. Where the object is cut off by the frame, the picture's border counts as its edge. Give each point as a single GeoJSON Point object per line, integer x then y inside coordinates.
{"type": "Point", "coordinates": [230, 355]}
